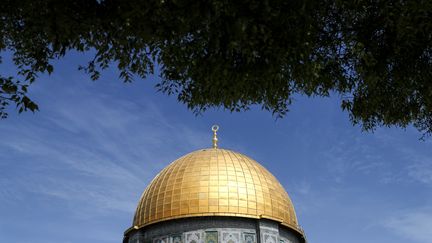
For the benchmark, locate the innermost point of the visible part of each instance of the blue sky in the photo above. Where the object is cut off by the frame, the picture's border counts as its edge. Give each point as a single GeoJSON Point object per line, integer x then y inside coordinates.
{"type": "Point", "coordinates": [74, 171]}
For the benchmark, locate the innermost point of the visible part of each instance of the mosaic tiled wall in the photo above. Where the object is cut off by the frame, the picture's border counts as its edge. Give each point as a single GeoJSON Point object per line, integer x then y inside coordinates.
{"type": "Point", "coordinates": [211, 237]}
{"type": "Point", "coordinates": [204, 231]}
{"type": "Point", "coordinates": [215, 236]}
{"type": "Point", "coordinates": [177, 239]}
{"type": "Point", "coordinates": [203, 236]}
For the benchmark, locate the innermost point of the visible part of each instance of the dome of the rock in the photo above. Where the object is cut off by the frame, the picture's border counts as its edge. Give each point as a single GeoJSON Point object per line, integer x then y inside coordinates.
{"type": "Point", "coordinates": [203, 194]}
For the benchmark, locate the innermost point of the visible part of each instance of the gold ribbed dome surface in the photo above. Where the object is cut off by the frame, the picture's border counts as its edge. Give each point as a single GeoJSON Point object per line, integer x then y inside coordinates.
{"type": "Point", "coordinates": [215, 182]}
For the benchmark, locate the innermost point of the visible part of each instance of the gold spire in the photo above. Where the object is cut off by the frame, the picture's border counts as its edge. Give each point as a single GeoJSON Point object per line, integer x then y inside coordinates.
{"type": "Point", "coordinates": [215, 128]}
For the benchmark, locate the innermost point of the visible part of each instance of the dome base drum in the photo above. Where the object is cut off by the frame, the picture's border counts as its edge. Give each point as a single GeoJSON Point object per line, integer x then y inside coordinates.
{"type": "Point", "coordinates": [214, 230]}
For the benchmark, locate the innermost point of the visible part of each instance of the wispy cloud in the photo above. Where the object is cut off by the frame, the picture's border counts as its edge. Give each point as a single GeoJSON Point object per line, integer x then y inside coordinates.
{"type": "Point", "coordinates": [387, 158]}
{"type": "Point", "coordinates": [415, 225]}
{"type": "Point", "coordinates": [414, 167]}
{"type": "Point", "coordinates": [352, 156]}
{"type": "Point", "coordinates": [421, 171]}
{"type": "Point", "coordinates": [420, 167]}
{"type": "Point", "coordinates": [87, 152]}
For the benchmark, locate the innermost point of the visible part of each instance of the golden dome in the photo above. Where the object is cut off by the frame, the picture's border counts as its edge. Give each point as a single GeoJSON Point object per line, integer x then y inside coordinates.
{"type": "Point", "coordinates": [215, 182]}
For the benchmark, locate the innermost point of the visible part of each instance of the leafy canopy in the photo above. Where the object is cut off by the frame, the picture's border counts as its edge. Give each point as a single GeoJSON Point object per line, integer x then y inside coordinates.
{"type": "Point", "coordinates": [375, 54]}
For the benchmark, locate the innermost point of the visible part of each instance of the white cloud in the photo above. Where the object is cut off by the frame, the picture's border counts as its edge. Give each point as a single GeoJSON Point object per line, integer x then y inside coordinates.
{"type": "Point", "coordinates": [415, 167]}
{"type": "Point", "coordinates": [352, 156]}
{"type": "Point", "coordinates": [420, 167]}
{"type": "Point", "coordinates": [98, 156]}
{"type": "Point", "coordinates": [421, 171]}
{"type": "Point", "coordinates": [303, 187]}
{"type": "Point", "coordinates": [413, 225]}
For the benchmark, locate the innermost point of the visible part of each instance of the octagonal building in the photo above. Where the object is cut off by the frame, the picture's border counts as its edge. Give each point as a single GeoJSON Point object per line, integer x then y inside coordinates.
{"type": "Point", "coordinates": [214, 196]}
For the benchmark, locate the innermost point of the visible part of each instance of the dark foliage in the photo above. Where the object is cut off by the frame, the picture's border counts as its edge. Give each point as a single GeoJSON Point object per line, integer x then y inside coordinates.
{"type": "Point", "coordinates": [376, 54]}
